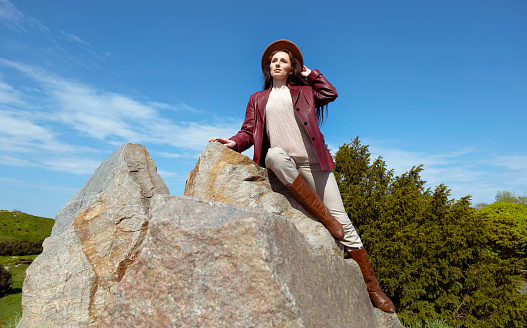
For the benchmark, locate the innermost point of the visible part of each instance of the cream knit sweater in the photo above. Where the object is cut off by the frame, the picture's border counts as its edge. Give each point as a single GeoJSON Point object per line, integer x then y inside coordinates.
{"type": "Point", "coordinates": [285, 130]}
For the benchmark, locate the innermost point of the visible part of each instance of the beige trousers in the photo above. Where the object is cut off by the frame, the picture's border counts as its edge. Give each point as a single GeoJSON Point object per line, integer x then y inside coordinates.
{"type": "Point", "coordinates": [324, 185]}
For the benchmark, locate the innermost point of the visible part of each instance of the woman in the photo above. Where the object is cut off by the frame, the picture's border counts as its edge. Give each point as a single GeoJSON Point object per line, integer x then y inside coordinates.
{"type": "Point", "coordinates": [282, 123]}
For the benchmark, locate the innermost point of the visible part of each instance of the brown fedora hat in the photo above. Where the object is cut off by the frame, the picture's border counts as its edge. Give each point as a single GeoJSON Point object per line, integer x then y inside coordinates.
{"type": "Point", "coordinates": [281, 45]}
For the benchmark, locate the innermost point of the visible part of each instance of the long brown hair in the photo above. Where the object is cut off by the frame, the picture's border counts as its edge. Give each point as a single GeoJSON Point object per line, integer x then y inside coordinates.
{"type": "Point", "coordinates": [295, 78]}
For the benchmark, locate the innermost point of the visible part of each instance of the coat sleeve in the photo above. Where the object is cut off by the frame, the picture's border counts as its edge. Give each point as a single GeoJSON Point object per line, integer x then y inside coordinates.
{"type": "Point", "coordinates": [323, 91]}
{"type": "Point", "coordinates": [244, 137]}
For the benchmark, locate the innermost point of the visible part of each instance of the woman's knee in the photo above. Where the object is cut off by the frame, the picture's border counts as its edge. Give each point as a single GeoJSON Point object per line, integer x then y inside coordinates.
{"type": "Point", "coordinates": [274, 156]}
{"type": "Point", "coordinates": [283, 166]}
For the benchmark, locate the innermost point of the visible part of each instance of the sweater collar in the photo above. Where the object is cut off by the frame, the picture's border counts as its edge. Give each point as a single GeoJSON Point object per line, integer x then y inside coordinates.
{"type": "Point", "coordinates": [262, 101]}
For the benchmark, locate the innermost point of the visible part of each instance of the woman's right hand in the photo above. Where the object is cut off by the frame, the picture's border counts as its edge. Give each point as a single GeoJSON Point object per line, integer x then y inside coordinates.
{"type": "Point", "coordinates": [305, 71]}
{"type": "Point", "coordinates": [224, 141]}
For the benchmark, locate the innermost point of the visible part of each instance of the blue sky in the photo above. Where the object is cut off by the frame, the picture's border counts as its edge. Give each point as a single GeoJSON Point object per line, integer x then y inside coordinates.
{"type": "Point", "coordinates": [439, 83]}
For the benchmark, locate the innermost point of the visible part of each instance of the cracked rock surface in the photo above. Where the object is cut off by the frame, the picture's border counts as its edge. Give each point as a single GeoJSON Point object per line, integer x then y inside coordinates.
{"type": "Point", "coordinates": [97, 235]}
{"type": "Point", "coordinates": [211, 264]}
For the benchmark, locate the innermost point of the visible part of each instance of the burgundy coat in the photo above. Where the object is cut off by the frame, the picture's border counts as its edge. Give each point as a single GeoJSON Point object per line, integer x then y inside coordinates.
{"type": "Point", "coordinates": [305, 101]}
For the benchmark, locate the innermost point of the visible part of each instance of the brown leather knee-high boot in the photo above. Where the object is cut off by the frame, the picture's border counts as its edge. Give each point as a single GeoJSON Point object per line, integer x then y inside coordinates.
{"type": "Point", "coordinates": [303, 193]}
{"type": "Point", "coordinates": [377, 296]}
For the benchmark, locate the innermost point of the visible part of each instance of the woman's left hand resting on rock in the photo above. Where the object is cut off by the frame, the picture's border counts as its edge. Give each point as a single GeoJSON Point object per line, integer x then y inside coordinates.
{"type": "Point", "coordinates": [224, 141]}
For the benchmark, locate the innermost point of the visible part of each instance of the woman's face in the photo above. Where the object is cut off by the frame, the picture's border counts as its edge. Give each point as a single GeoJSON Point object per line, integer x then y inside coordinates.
{"type": "Point", "coordinates": [280, 66]}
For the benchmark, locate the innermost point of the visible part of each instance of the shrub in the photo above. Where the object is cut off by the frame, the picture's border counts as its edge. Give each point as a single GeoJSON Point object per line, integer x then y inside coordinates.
{"type": "Point", "coordinates": [5, 281]}
{"type": "Point", "coordinates": [507, 226]}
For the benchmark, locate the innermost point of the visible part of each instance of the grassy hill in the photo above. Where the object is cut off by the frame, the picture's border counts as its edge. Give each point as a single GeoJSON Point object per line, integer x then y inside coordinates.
{"type": "Point", "coordinates": [15, 226]}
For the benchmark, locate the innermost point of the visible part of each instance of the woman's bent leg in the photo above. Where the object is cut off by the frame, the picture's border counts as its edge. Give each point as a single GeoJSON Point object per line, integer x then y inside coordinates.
{"type": "Point", "coordinates": [325, 185]}
{"type": "Point", "coordinates": [285, 169]}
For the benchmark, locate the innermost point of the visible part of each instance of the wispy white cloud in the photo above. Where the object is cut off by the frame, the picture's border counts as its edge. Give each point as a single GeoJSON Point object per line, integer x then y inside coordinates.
{"type": "Point", "coordinates": [511, 162]}
{"type": "Point", "coordinates": [9, 95]}
{"type": "Point", "coordinates": [191, 135]}
{"type": "Point", "coordinates": [176, 155]}
{"type": "Point", "coordinates": [75, 39]}
{"type": "Point", "coordinates": [16, 20]}
{"type": "Point", "coordinates": [80, 165]}
{"type": "Point", "coordinates": [84, 45]}
{"type": "Point", "coordinates": [11, 16]}
{"type": "Point", "coordinates": [178, 107]}
{"type": "Point", "coordinates": [65, 108]}
{"type": "Point", "coordinates": [167, 174]}
{"type": "Point", "coordinates": [45, 187]}
{"type": "Point", "coordinates": [38, 25]}
{"type": "Point", "coordinates": [25, 143]}
{"type": "Point", "coordinates": [105, 115]}
{"type": "Point", "coordinates": [10, 160]}
{"type": "Point", "coordinates": [21, 135]}
{"type": "Point", "coordinates": [465, 171]}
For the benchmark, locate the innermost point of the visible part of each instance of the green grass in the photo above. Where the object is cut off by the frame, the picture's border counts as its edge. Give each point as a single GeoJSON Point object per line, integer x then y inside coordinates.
{"type": "Point", "coordinates": [15, 225]}
{"type": "Point", "coordinates": [434, 323]}
{"type": "Point", "coordinates": [10, 305]}
{"type": "Point", "coordinates": [11, 322]}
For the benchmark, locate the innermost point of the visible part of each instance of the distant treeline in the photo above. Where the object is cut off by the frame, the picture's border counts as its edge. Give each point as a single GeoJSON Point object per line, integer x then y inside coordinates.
{"type": "Point", "coordinates": [20, 247]}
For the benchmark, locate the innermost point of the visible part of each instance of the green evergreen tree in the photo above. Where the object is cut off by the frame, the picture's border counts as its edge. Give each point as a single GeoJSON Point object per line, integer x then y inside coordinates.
{"type": "Point", "coordinates": [430, 252]}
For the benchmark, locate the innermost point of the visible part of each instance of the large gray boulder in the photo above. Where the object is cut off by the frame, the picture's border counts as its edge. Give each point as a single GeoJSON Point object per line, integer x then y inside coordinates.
{"type": "Point", "coordinates": [222, 174]}
{"type": "Point", "coordinates": [211, 264]}
{"type": "Point", "coordinates": [124, 253]}
{"type": "Point", "coordinates": [96, 237]}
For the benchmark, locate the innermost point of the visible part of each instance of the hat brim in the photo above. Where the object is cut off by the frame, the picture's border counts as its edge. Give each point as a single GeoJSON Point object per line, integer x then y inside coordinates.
{"type": "Point", "coordinates": [281, 45]}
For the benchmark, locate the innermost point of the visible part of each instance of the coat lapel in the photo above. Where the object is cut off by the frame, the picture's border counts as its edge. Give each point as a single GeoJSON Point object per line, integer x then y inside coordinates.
{"type": "Point", "coordinates": [262, 102]}
{"type": "Point", "coordinates": [295, 93]}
